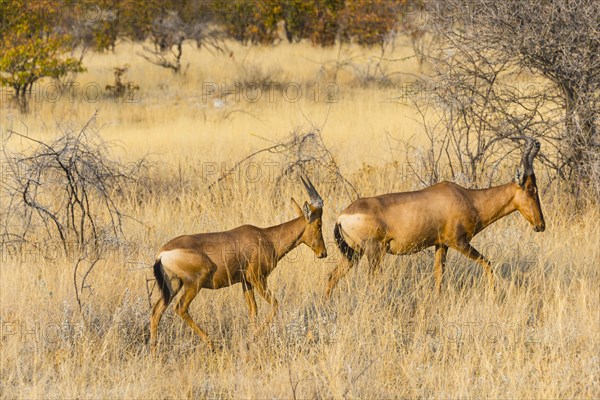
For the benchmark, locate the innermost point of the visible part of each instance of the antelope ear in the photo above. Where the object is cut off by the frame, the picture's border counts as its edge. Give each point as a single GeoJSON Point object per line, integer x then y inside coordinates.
{"type": "Point", "coordinates": [306, 211]}
{"type": "Point", "coordinates": [310, 213]}
{"type": "Point", "coordinates": [297, 208]}
{"type": "Point", "coordinates": [519, 178]}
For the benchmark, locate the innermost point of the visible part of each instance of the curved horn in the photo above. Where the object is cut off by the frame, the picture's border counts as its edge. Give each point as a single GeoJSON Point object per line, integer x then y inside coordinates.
{"type": "Point", "coordinates": [315, 199]}
{"type": "Point", "coordinates": [533, 146]}
{"type": "Point", "coordinates": [534, 151]}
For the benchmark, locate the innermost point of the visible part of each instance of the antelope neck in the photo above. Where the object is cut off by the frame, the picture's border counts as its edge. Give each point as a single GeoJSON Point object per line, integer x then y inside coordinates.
{"type": "Point", "coordinates": [494, 203]}
{"type": "Point", "coordinates": [285, 237]}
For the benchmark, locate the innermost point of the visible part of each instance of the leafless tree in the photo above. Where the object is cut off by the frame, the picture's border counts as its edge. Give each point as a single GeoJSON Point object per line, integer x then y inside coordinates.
{"type": "Point", "coordinates": [66, 190]}
{"type": "Point", "coordinates": [302, 152]}
{"type": "Point", "coordinates": [68, 186]}
{"type": "Point", "coordinates": [512, 68]}
{"type": "Point", "coordinates": [169, 32]}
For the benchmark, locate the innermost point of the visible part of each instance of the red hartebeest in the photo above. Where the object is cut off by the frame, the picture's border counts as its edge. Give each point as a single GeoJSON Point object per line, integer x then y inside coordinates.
{"type": "Point", "coordinates": [245, 255]}
{"type": "Point", "coordinates": [443, 215]}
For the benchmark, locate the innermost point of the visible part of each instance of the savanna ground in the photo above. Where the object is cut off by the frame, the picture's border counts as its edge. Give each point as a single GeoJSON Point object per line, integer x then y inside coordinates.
{"type": "Point", "coordinates": [385, 336]}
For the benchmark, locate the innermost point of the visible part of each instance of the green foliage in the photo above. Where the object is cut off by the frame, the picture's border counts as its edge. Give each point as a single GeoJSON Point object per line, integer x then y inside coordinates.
{"type": "Point", "coordinates": [315, 20]}
{"type": "Point", "coordinates": [369, 22]}
{"type": "Point", "coordinates": [36, 36]}
{"type": "Point", "coordinates": [249, 21]}
{"type": "Point", "coordinates": [105, 28]}
{"type": "Point", "coordinates": [33, 49]}
{"type": "Point", "coordinates": [100, 23]}
{"type": "Point", "coordinates": [103, 22]}
{"type": "Point", "coordinates": [297, 16]}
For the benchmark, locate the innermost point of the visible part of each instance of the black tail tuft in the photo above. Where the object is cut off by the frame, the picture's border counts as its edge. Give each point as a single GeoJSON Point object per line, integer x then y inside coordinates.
{"type": "Point", "coordinates": [344, 247]}
{"type": "Point", "coordinates": [164, 283]}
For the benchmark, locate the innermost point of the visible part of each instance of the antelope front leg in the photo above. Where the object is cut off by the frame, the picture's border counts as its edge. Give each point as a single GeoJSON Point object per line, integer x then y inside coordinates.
{"type": "Point", "coordinates": [265, 293]}
{"type": "Point", "coordinates": [469, 251]}
{"type": "Point", "coordinates": [440, 262]}
{"type": "Point", "coordinates": [250, 301]}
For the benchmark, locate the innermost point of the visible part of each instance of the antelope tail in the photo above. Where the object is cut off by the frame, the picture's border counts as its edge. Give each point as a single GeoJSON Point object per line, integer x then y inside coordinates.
{"type": "Point", "coordinates": [164, 283]}
{"type": "Point", "coordinates": [344, 247]}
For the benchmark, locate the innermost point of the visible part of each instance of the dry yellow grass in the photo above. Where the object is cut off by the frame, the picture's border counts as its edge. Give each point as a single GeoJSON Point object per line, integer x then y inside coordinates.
{"type": "Point", "coordinates": [386, 336]}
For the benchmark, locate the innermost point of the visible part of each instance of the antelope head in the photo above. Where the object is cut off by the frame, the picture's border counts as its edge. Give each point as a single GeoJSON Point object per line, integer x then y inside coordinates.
{"type": "Point", "coordinates": [312, 212]}
{"type": "Point", "coordinates": [527, 200]}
